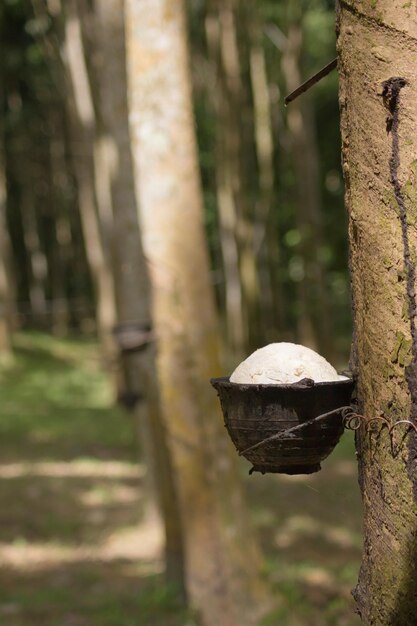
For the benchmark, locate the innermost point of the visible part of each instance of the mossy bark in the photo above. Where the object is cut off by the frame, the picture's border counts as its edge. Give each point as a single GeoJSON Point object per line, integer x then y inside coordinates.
{"type": "Point", "coordinates": [131, 274]}
{"type": "Point", "coordinates": [377, 43]}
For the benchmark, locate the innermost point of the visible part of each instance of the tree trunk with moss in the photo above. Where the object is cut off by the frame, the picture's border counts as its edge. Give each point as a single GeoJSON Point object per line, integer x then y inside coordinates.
{"type": "Point", "coordinates": [131, 273]}
{"type": "Point", "coordinates": [221, 558]}
{"type": "Point", "coordinates": [378, 98]}
{"type": "Point", "coordinates": [82, 117]}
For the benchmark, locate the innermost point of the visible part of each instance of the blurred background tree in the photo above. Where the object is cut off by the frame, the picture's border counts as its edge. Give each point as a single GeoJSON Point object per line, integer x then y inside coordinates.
{"type": "Point", "coordinates": [271, 176]}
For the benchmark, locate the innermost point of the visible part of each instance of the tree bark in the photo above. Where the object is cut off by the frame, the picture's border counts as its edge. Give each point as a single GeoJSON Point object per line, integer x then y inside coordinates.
{"type": "Point", "coordinates": [266, 231]}
{"type": "Point", "coordinates": [221, 559]}
{"type": "Point", "coordinates": [314, 319]}
{"type": "Point", "coordinates": [5, 289]}
{"type": "Point", "coordinates": [5, 295]}
{"type": "Point", "coordinates": [62, 243]}
{"type": "Point", "coordinates": [131, 272]}
{"type": "Point", "coordinates": [83, 131]}
{"type": "Point", "coordinates": [38, 266]}
{"type": "Point", "coordinates": [236, 332]}
{"type": "Point", "coordinates": [377, 43]}
{"type": "Point", "coordinates": [235, 174]}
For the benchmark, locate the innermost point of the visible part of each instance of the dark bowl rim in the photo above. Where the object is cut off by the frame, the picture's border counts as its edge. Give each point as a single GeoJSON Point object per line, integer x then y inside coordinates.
{"type": "Point", "coordinates": [224, 381]}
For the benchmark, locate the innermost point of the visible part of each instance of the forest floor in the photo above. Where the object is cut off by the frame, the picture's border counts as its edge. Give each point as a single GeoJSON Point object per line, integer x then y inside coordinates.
{"type": "Point", "coordinates": [74, 547]}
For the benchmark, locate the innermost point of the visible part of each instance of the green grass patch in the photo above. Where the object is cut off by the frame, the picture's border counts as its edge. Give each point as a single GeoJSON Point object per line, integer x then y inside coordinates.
{"type": "Point", "coordinates": [55, 396]}
{"type": "Point", "coordinates": [70, 484]}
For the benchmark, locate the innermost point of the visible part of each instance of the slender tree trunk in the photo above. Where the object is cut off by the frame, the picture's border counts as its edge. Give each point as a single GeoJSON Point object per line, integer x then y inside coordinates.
{"type": "Point", "coordinates": [235, 176]}
{"type": "Point", "coordinates": [221, 576]}
{"type": "Point", "coordinates": [38, 267]}
{"type": "Point", "coordinates": [26, 171]}
{"type": "Point", "coordinates": [5, 295]}
{"type": "Point", "coordinates": [59, 272]}
{"type": "Point", "coordinates": [377, 43]}
{"type": "Point", "coordinates": [235, 327]}
{"type": "Point", "coordinates": [266, 235]}
{"type": "Point", "coordinates": [5, 288]}
{"type": "Point", "coordinates": [131, 273]}
{"type": "Point", "coordinates": [61, 250]}
{"type": "Point", "coordinates": [83, 131]}
{"type": "Point", "coordinates": [314, 322]}
{"type": "Point", "coordinates": [67, 253]}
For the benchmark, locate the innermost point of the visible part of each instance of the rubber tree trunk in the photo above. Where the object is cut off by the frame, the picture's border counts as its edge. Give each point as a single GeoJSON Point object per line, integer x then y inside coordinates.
{"type": "Point", "coordinates": [131, 273]}
{"type": "Point", "coordinates": [314, 320]}
{"type": "Point", "coordinates": [266, 227]}
{"type": "Point", "coordinates": [235, 327]}
{"type": "Point", "coordinates": [67, 254]}
{"type": "Point", "coordinates": [235, 208]}
{"type": "Point", "coordinates": [5, 287]}
{"type": "Point", "coordinates": [377, 46]}
{"type": "Point", "coordinates": [83, 133]}
{"type": "Point", "coordinates": [62, 244]}
{"type": "Point", "coordinates": [221, 558]}
{"type": "Point", "coordinates": [37, 262]}
{"type": "Point", "coordinates": [5, 291]}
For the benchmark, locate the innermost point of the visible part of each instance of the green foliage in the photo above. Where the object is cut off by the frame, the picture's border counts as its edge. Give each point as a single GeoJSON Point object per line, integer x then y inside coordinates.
{"type": "Point", "coordinates": [50, 378]}
{"type": "Point", "coordinates": [153, 604]}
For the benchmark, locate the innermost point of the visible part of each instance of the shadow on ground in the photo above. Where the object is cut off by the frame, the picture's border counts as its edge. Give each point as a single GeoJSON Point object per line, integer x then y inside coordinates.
{"type": "Point", "coordinates": [310, 527]}
{"type": "Point", "coordinates": [88, 593]}
{"type": "Point", "coordinates": [75, 548]}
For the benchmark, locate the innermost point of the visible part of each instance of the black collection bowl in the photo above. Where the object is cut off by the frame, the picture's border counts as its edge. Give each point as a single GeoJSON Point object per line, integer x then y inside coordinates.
{"type": "Point", "coordinates": [253, 413]}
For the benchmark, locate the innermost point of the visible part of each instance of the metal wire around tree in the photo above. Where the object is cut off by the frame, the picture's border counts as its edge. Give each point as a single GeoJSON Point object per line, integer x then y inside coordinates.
{"type": "Point", "coordinates": [354, 420]}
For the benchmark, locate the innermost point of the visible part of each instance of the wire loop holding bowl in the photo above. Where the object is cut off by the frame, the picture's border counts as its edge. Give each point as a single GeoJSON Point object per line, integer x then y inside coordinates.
{"type": "Point", "coordinates": [354, 420]}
